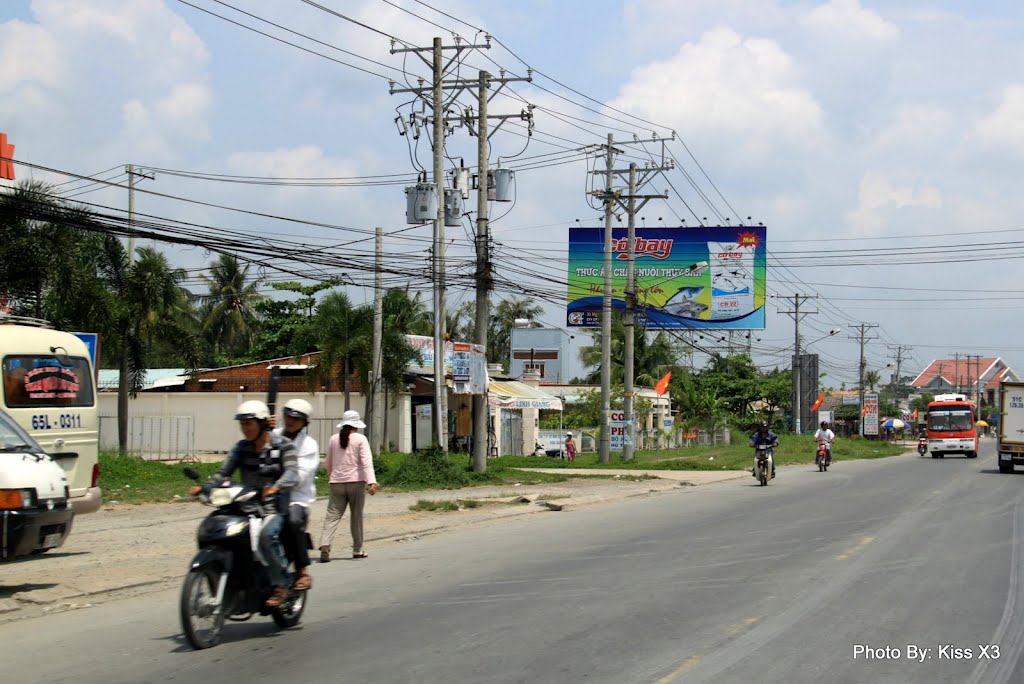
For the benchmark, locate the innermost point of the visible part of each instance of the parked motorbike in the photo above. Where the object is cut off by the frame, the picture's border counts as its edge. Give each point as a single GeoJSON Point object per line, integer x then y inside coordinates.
{"type": "Point", "coordinates": [922, 445]}
{"type": "Point", "coordinates": [822, 459]}
{"type": "Point", "coordinates": [227, 579]}
{"type": "Point", "coordinates": [763, 470]}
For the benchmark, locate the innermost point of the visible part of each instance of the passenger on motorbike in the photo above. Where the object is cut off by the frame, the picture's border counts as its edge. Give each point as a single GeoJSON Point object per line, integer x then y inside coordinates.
{"type": "Point", "coordinates": [267, 462]}
{"type": "Point", "coordinates": [307, 451]}
{"type": "Point", "coordinates": [826, 437]}
{"type": "Point", "coordinates": [763, 436]}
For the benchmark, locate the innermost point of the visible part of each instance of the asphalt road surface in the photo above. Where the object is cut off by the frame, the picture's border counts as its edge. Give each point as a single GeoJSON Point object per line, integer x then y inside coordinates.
{"type": "Point", "coordinates": [905, 569]}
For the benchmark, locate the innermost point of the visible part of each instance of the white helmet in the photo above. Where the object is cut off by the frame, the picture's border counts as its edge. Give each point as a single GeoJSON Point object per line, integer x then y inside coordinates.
{"type": "Point", "coordinates": [253, 408]}
{"type": "Point", "coordinates": [298, 408]}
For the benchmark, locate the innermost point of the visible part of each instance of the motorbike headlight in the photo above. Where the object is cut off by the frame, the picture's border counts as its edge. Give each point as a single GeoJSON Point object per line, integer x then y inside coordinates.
{"type": "Point", "coordinates": [235, 528]}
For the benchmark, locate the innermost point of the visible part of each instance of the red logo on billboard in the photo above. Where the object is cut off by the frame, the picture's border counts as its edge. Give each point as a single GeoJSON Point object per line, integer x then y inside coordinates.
{"type": "Point", "coordinates": [657, 248]}
{"type": "Point", "coordinates": [747, 240]}
{"type": "Point", "coordinates": [6, 155]}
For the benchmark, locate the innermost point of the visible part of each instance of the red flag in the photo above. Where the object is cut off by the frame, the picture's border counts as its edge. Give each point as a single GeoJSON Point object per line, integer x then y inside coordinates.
{"type": "Point", "coordinates": [662, 385]}
{"type": "Point", "coordinates": [915, 414]}
{"type": "Point", "coordinates": [817, 404]}
{"type": "Point", "coordinates": [864, 412]}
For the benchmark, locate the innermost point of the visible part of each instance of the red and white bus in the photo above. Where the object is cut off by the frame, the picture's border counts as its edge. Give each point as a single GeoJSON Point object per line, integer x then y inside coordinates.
{"type": "Point", "coordinates": [950, 425]}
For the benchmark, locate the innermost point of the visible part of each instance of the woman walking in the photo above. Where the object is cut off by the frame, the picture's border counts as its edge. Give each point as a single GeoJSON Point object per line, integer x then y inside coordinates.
{"type": "Point", "coordinates": [350, 471]}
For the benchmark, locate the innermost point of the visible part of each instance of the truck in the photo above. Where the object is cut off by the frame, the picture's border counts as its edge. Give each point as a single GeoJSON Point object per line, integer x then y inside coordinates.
{"type": "Point", "coordinates": [1010, 446]}
{"type": "Point", "coordinates": [950, 426]}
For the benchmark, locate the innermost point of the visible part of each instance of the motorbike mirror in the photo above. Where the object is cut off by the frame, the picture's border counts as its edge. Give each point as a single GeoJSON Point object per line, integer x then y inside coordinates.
{"type": "Point", "coordinates": [191, 474]}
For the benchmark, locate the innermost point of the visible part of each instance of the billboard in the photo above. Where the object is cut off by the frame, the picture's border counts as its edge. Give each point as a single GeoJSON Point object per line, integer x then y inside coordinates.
{"type": "Point", "coordinates": [870, 414]}
{"type": "Point", "coordinates": [706, 277]}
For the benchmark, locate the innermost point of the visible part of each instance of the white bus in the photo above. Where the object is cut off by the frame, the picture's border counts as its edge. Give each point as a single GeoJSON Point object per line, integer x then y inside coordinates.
{"type": "Point", "coordinates": [50, 390]}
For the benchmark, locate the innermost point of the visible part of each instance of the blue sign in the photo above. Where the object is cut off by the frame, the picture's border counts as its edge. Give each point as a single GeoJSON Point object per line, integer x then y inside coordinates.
{"type": "Point", "coordinates": [92, 342]}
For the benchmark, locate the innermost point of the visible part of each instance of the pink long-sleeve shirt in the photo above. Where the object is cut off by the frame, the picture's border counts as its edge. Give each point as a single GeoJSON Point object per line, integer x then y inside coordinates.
{"type": "Point", "coordinates": [352, 464]}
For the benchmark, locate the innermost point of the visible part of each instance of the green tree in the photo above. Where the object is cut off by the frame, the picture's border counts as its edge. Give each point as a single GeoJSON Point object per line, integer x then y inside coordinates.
{"type": "Point", "coordinates": [872, 378]}
{"type": "Point", "coordinates": [229, 308]}
{"type": "Point", "coordinates": [282, 320]}
{"type": "Point", "coordinates": [505, 313]}
{"type": "Point", "coordinates": [344, 335]}
{"type": "Point", "coordinates": [652, 357]}
{"type": "Point", "coordinates": [147, 302]}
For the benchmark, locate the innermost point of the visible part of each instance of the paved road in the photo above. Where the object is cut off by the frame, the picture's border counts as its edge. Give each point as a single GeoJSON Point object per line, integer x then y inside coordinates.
{"type": "Point", "coordinates": [724, 583]}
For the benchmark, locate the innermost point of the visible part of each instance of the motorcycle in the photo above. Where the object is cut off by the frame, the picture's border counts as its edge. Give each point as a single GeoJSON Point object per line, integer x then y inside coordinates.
{"type": "Point", "coordinates": [763, 470]}
{"type": "Point", "coordinates": [922, 445]}
{"type": "Point", "coordinates": [227, 579]}
{"type": "Point", "coordinates": [822, 460]}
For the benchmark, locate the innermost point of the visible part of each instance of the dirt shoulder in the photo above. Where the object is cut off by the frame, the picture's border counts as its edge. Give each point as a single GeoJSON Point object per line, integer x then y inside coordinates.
{"type": "Point", "coordinates": [125, 550]}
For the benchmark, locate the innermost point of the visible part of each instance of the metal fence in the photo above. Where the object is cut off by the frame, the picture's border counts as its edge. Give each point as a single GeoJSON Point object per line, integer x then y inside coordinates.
{"type": "Point", "coordinates": [153, 438]}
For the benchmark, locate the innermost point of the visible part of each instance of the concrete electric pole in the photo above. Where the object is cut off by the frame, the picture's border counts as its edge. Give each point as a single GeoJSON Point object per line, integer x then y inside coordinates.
{"type": "Point", "coordinates": [862, 329]}
{"type": "Point", "coordinates": [796, 314]}
{"type": "Point", "coordinates": [484, 279]}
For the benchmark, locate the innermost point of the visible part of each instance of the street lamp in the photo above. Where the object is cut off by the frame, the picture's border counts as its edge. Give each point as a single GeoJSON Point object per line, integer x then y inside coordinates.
{"type": "Point", "coordinates": [797, 385]}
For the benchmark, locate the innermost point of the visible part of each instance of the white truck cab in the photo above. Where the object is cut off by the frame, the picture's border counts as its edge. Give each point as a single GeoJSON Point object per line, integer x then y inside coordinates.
{"type": "Point", "coordinates": [49, 389]}
{"type": "Point", "coordinates": [35, 514]}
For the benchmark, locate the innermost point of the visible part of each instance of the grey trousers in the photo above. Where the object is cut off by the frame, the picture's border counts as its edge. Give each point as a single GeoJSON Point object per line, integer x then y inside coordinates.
{"type": "Point", "coordinates": [343, 495]}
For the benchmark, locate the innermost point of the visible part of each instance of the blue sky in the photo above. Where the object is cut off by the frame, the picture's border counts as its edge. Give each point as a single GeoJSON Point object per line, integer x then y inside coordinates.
{"type": "Point", "coordinates": [841, 125]}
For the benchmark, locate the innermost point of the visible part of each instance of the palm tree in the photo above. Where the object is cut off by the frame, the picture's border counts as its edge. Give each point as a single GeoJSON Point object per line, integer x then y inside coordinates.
{"type": "Point", "coordinates": [147, 304]}
{"type": "Point", "coordinates": [872, 378]}
{"type": "Point", "coordinates": [230, 316]}
{"type": "Point", "coordinates": [344, 335]}
{"type": "Point", "coordinates": [503, 318]}
{"type": "Point", "coordinates": [650, 356]}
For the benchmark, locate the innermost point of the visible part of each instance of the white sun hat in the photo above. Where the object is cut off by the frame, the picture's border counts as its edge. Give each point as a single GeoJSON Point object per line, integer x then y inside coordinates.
{"type": "Point", "coordinates": [351, 418]}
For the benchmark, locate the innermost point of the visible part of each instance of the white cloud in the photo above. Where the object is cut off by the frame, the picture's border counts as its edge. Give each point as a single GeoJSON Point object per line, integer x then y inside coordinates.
{"type": "Point", "coordinates": [1004, 127]}
{"type": "Point", "coordinates": [878, 197]}
{"type": "Point", "coordinates": [30, 56]}
{"type": "Point", "coordinates": [915, 125]}
{"type": "Point", "coordinates": [131, 77]}
{"type": "Point", "coordinates": [849, 18]}
{"type": "Point", "coordinates": [726, 85]}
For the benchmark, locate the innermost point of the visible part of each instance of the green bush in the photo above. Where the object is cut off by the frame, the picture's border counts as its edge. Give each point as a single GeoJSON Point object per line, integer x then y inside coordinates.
{"type": "Point", "coordinates": [431, 468]}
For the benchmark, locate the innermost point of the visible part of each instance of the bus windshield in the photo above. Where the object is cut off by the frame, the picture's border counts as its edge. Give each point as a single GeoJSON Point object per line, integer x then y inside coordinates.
{"type": "Point", "coordinates": [950, 420]}
{"type": "Point", "coordinates": [35, 381]}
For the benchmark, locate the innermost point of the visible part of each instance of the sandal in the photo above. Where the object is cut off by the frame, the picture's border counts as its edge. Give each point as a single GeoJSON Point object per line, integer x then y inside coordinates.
{"type": "Point", "coordinates": [303, 583]}
{"type": "Point", "coordinates": [361, 554]}
{"type": "Point", "coordinates": [279, 596]}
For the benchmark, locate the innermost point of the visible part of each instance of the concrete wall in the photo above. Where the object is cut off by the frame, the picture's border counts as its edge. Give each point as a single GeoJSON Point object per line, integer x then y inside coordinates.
{"type": "Point", "coordinates": [212, 415]}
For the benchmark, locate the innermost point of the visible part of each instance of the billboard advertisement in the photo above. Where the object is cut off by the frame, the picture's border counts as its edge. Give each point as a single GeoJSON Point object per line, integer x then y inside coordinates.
{"type": "Point", "coordinates": [870, 414]}
{"type": "Point", "coordinates": [706, 277]}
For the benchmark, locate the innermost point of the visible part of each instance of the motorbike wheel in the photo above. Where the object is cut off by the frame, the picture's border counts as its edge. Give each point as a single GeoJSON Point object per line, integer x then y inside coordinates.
{"type": "Point", "coordinates": [289, 613]}
{"type": "Point", "coordinates": [201, 625]}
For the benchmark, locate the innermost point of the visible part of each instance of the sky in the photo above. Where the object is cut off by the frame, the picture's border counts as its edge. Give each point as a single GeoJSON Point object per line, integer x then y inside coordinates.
{"type": "Point", "coordinates": [895, 128]}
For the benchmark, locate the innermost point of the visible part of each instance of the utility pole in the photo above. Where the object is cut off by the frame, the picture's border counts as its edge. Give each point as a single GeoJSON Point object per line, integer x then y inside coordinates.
{"type": "Point", "coordinates": [437, 88]}
{"type": "Point", "coordinates": [604, 447]}
{"type": "Point", "coordinates": [611, 198]}
{"type": "Point", "coordinates": [862, 329]}
{"type": "Point", "coordinates": [481, 412]}
{"type": "Point", "coordinates": [956, 372]}
{"type": "Point", "coordinates": [123, 379]}
{"type": "Point", "coordinates": [377, 440]}
{"type": "Point", "coordinates": [899, 350]}
{"type": "Point", "coordinates": [132, 173]}
{"type": "Point", "coordinates": [796, 315]}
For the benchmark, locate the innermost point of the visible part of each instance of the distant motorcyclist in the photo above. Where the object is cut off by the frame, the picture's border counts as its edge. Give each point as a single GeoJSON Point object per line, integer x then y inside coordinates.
{"type": "Point", "coordinates": [268, 463]}
{"type": "Point", "coordinates": [825, 436]}
{"type": "Point", "coordinates": [764, 435]}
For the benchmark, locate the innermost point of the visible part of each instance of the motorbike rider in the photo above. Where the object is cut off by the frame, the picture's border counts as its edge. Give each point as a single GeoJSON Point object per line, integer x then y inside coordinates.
{"type": "Point", "coordinates": [267, 462]}
{"type": "Point", "coordinates": [296, 421]}
{"type": "Point", "coordinates": [764, 435]}
{"type": "Point", "coordinates": [826, 437]}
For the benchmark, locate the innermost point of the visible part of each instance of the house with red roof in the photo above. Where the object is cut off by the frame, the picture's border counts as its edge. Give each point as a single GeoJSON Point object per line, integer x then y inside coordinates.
{"type": "Point", "coordinates": [966, 375]}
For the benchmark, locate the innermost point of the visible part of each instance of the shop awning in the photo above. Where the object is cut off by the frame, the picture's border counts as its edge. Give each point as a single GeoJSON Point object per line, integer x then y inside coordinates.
{"type": "Point", "coordinates": [517, 395]}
